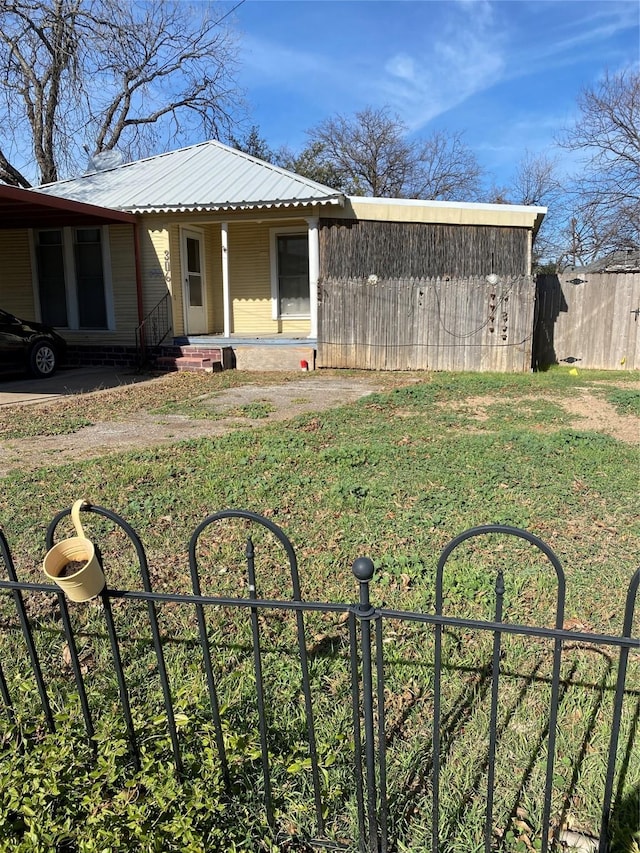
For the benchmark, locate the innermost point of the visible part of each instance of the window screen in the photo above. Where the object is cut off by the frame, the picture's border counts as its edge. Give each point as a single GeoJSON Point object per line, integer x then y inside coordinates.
{"type": "Point", "coordinates": [293, 274]}
{"type": "Point", "coordinates": [51, 279]}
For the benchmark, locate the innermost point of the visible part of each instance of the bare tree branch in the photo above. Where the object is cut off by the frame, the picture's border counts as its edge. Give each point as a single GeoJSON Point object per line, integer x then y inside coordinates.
{"type": "Point", "coordinates": [447, 169]}
{"type": "Point", "coordinates": [606, 193]}
{"type": "Point", "coordinates": [369, 154]}
{"type": "Point", "coordinates": [95, 74]}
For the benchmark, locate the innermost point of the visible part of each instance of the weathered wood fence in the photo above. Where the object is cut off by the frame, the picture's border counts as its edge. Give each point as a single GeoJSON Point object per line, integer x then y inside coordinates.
{"type": "Point", "coordinates": [590, 319]}
{"type": "Point", "coordinates": [426, 323]}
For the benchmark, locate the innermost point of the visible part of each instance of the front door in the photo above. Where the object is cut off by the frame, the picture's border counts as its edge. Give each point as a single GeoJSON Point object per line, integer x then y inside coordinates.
{"type": "Point", "coordinates": [194, 283]}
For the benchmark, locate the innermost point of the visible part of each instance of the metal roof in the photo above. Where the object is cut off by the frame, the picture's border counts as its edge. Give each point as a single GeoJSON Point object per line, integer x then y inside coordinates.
{"type": "Point", "coordinates": [208, 176]}
{"type": "Point", "coordinates": [622, 260]}
{"type": "Point", "coordinates": [22, 208]}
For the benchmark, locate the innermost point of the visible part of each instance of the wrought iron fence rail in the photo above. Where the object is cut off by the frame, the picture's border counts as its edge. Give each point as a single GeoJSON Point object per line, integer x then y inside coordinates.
{"type": "Point", "coordinates": [367, 667]}
{"type": "Point", "coordinates": [344, 607]}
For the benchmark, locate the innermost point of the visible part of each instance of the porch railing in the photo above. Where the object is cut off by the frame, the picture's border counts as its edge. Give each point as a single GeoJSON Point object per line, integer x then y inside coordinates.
{"type": "Point", "coordinates": [153, 330]}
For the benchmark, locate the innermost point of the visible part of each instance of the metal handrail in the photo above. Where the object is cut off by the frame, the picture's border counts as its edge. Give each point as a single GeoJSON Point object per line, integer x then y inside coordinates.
{"type": "Point", "coordinates": [153, 329]}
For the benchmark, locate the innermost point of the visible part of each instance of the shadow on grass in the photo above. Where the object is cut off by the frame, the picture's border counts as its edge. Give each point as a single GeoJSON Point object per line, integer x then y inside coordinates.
{"type": "Point", "coordinates": [625, 817]}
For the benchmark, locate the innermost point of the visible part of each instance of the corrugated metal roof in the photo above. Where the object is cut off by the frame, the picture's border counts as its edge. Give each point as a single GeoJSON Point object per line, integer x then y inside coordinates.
{"type": "Point", "coordinates": [203, 177]}
{"type": "Point", "coordinates": [622, 260]}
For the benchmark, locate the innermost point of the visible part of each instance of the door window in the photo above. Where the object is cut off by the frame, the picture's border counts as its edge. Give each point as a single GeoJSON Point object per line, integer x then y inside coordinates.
{"type": "Point", "coordinates": [194, 273]}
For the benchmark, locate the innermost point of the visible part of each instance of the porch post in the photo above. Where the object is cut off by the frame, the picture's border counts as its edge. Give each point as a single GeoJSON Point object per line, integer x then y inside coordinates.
{"type": "Point", "coordinates": [314, 273]}
{"type": "Point", "coordinates": [226, 302]}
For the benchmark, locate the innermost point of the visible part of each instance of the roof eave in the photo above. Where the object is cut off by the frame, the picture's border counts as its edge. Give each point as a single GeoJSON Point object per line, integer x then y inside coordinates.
{"type": "Point", "coordinates": [266, 204]}
{"type": "Point", "coordinates": [28, 208]}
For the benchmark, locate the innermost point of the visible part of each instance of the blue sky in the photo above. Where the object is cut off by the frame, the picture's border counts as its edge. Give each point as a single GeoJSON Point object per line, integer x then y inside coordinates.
{"type": "Point", "coordinates": [506, 73]}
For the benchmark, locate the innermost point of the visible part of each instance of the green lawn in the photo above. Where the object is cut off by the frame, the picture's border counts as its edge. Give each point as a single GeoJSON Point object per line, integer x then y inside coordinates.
{"type": "Point", "coordinates": [393, 477]}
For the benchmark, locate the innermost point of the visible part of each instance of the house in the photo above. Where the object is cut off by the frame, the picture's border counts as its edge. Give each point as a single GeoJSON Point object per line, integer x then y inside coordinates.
{"type": "Point", "coordinates": [216, 250]}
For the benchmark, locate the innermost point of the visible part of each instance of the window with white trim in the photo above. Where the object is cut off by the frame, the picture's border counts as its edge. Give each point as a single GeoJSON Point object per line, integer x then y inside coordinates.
{"type": "Point", "coordinates": [72, 277]}
{"type": "Point", "coordinates": [290, 273]}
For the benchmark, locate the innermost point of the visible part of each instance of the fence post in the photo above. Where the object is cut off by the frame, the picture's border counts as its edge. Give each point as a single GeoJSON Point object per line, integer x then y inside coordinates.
{"type": "Point", "coordinates": [363, 570]}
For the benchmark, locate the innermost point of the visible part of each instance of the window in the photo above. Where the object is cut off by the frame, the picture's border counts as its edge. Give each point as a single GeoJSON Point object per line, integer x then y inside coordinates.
{"type": "Point", "coordinates": [290, 274]}
{"type": "Point", "coordinates": [51, 278]}
{"type": "Point", "coordinates": [71, 272]}
{"type": "Point", "coordinates": [92, 310]}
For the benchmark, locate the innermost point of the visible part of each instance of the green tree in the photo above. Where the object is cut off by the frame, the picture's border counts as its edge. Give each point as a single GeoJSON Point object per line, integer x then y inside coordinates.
{"type": "Point", "coordinates": [254, 144]}
{"type": "Point", "coordinates": [311, 163]}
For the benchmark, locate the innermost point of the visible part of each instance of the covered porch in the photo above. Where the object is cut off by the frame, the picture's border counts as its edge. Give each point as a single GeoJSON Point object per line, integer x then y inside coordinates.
{"type": "Point", "coordinates": [245, 277]}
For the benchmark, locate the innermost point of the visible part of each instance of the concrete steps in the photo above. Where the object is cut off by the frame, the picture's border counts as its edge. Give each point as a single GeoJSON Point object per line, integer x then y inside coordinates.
{"type": "Point", "coordinates": [185, 364]}
{"type": "Point", "coordinates": [190, 359]}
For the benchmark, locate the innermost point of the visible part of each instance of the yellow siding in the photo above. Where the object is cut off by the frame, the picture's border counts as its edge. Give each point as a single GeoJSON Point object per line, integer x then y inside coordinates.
{"type": "Point", "coordinates": [16, 277]}
{"type": "Point", "coordinates": [295, 328]}
{"type": "Point", "coordinates": [213, 276]}
{"type": "Point", "coordinates": [391, 210]}
{"type": "Point", "coordinates": [155, 267]}
{"type": "Point", "coordinates": [249, 271]}
{"type": "Point", "coordinates": [177, 305]}
{"type": "Point", "coordinates": [123, 277]}
{"type": "Point", "coordinates": [250, 279]}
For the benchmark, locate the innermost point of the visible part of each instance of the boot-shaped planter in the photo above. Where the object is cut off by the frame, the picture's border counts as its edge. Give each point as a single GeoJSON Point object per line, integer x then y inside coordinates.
{"type": "Point", "coordinates": [72, 564]}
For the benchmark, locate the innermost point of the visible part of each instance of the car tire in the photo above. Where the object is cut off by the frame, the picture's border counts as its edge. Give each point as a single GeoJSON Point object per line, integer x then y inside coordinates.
{"type": "Point", "coordinates": [43, 359]}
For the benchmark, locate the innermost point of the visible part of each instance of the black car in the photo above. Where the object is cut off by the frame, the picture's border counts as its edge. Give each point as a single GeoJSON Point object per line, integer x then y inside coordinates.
{"type": "Point", "coordinates": [25, 345]}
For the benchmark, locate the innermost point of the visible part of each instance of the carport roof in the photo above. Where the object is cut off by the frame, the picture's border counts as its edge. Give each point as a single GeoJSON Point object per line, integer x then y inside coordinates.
{"type": "Point", "coordinates": [26, 208]}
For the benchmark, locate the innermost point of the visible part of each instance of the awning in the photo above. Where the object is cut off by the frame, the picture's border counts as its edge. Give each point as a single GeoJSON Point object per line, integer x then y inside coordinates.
{"type": "Point", "coordinates": [21, 208]}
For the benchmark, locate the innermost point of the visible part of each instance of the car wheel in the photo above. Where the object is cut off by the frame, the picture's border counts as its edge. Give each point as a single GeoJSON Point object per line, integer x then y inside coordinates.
{"type": "Point", "coordinates": [43, 360]}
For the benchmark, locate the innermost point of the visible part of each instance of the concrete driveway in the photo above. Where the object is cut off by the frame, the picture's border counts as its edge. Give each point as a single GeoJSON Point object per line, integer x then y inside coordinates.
{"type": "Point", "coordinates": [71, 380]}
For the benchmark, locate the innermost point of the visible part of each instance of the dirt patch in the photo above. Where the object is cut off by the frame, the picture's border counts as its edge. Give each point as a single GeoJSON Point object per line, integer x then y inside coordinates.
{"type": "Point", "coordinates": [255, 405]}
{"type": "Point", "coordinates": [598, 415]}
{"type": "Point", "coordinates": [233, 406]}
{"type": "Point", "coordinates": [590, 410]}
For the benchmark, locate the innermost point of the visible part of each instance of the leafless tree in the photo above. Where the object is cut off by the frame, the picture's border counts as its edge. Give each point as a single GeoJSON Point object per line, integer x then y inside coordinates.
{"type": "Point", "coordinates": [92, 75]}
{"type": "Point", "coordinates": [367, 151]}
{"type": "Point", "coordinates": [536, 183]}
{"type": "Point", "coordinates": [606, 192]}
{"type": "Point", "coordinates": [446, 169]}
{"type": "Point", "coordinates": [370, 153]}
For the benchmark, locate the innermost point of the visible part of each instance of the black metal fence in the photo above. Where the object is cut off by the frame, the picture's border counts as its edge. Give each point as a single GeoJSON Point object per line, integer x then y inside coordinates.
{"type": "Point", "coordinates": [369, 633]}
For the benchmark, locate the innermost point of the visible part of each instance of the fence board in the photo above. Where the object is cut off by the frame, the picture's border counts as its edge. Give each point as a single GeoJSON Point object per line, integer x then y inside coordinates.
{"type": "Point", "coordinates": [426, 323]}
{"type": "Point", "coordinates": [591, 319]}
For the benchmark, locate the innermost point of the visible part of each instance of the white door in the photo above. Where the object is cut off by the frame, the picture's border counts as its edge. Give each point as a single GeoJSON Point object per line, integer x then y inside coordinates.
{"type": "Point", "coordinates": [194, 283]}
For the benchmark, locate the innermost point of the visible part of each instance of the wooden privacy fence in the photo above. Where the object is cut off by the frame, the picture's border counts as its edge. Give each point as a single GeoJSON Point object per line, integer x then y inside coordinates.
{"type": "Point", "coordinates": [426, 323]}
{"type": "Point", "coordinates": [590, 319]}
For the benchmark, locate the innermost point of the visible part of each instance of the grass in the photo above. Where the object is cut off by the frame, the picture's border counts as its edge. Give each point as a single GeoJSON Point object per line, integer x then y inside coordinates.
{"type": "Point", "coordinates": [626, 401]}
{"type": "Point", "coordinates": [394, 477]}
